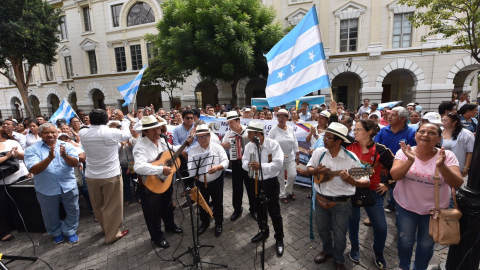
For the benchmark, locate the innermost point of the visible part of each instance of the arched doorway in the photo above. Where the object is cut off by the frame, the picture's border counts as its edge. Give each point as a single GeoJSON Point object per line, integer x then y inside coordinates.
{"type": "Point", "coordinates": [53, 103]}
{"type": "Point", "coordinates": [397, 85]}
{"type": "Point", "coordinates": [255, 88]}
{"type": "Point", "coordinates": [98, 99]}
{"type": "Point", "coordinates": [346, 88]}
{"type": "Point", "coordinates": [35, 105]}
{"type": "Point", "coordinates": [17, 107]}
{"type": "Point", "coordinates": [206, 93]}
{"type": "Point", "coordinates": [72, 99]}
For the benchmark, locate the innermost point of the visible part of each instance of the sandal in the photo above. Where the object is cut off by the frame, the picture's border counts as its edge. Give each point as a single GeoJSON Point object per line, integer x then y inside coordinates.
{"type": "Point", "coordinates": [284, 200]}
{"type": "Point", "coordinates": [9, 238]}
{"type": "Point", "coordinates": [309, 196]}
{"type": "Point", "coordinates": [292, 196]}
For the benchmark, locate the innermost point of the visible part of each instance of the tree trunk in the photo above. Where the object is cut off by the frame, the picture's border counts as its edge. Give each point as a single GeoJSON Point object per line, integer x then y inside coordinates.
{"type": "Point", "coordinates": [22, 85]}
{"type": "Point", "coordinates": [234, 91]}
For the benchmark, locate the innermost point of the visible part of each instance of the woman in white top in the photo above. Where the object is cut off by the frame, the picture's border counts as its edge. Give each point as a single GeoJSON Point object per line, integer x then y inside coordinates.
{"type": "Point", "coordinates": [458, 140]}
{"type": "Point", "coordinates": [33, 135]}
{"type": "Point", "coordinates": [316, 132]}
{"type": "Point", "coordinates": [285, 136]}
{"type": "Point", "coordinates": [10, 147]}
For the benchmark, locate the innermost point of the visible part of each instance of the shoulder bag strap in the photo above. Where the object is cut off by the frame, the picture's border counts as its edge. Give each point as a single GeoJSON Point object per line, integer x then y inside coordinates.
{"type": "Point", "coordinates": [352, 157]}
{"type": "Point", "coordinates": [314, 196]}
{"type": "Point", "coordinates": [437, 179]}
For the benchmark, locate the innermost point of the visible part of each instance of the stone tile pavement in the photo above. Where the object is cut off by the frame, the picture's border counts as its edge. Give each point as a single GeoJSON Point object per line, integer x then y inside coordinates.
{"type": "Point", "coordinates": [233, 247]}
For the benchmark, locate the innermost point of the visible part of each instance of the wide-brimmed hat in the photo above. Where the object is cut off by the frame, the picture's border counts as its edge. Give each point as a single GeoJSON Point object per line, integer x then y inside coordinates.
{"type": "Point", "coordinates": [149, 122]}
{"type": "Point", "coordinates": [255, 126]}
{"type": "Point", "coordinates": [325, 113]}
{"type": "Point", "coordinates": [232, 115]}
{"type": "Point", "coordinates": [339, 130]}
{"type": "Point", "coordinates": [202, 129]}
{"type": "Point", "coordinates": [433, 118]}
{"type": "Point", "coordinates": [282, 111]}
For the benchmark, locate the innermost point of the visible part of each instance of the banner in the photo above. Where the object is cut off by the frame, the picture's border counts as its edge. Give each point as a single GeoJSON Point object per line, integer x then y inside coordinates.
{"type": "Point", "coordinates": [312, 100]}
{"type": "Point", "coordinates": [220, 127]}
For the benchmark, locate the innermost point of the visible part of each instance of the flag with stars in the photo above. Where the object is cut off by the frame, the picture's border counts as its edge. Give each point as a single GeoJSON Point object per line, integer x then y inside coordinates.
{"type": "Point", "coordinates": [297, 64]}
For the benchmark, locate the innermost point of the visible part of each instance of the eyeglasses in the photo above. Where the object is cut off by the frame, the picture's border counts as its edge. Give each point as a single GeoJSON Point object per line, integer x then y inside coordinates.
{"type": "Point", "coordinates": [202, 137]}
{"type": "Point", "coordinates": [188, 118]}
{"type": "Point", "coordinates": [358, 129]}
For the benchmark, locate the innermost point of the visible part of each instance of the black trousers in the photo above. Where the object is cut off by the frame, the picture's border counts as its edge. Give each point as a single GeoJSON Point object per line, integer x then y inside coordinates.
{"type": "Point", "coordinates": [240, 178]}
{"type": "Point", "coordinates": [4, 201]}
{"type": "Point", "coordinates": [213, 190]}
{"type": "Point", "coordinates": [157, 207]}
{"type": "Point", "coordinates": [272, 192]}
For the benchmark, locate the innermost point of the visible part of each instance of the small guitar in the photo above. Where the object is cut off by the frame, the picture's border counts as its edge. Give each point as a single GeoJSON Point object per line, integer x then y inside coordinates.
{"type": "Point", "coordinates": [357, 172]}
{"type": "Point", "coordinates": [160, 183]}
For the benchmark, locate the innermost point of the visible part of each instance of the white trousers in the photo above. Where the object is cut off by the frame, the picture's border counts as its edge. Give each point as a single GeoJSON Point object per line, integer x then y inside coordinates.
{"type": "Point", "coordinates": [287, 189]}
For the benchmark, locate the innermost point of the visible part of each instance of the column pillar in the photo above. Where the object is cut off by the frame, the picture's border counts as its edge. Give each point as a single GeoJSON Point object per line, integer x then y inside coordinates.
{"type": "Point", "coordinates": [375, 45]}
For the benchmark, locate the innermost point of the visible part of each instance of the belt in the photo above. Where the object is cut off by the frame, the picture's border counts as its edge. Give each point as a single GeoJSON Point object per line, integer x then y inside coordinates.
{"type": "Point", "coordinates": [335, 199]}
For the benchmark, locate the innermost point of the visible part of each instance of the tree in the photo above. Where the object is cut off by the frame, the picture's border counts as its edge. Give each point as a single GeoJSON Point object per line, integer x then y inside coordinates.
{"type": "Point", "coordinates": [29, 32]}
{"type": "Point", "coordinates": [458, 19]}
{"type": "Point", "coordinates": [220, 39]}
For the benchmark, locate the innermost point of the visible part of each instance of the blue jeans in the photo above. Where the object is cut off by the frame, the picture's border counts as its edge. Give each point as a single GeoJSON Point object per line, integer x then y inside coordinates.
{"type": "Point", "coordinates": [127, 178]}
{"type": "Point", "coordinates": [408, 223]}
{"type": "Point", "coordinates": [50, 206]}
{"type": "Point", "coordinates": [390, 201]}
{"type": "Point", "coordinates": [334, 219]}
{"type": "Point", "coordinates": [84, 191]}
{"type": "Point", "coordinates": [377, 219]}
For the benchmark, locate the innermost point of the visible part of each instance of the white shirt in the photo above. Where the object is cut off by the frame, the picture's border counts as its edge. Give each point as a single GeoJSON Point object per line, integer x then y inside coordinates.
{"type": "Point", "coordinates": [214, 138]}
{"type": "Point", "coordinates": [125, 125]}
{"type": "Point", "coordinates": [145, 151]}
{"type": "Point", "coordinates": [230, 136]}
{"type": "Point", "coordinates": [22, 171]}
{"type": "Point", "coordinates": [269, 147]}
{"type": "Point", "coordinates": [460, 103]}
{"type": "Point", "coordinates": [100, 144]}
{"type": "Point", "coordinates": [219, 158]}
{"type": "Point", "coordinates": [31, 140]}
{"type": "Point", "coordinates": [22, 139]}
{"type": "Point", "coordinates": [335, 187]}
{"type": "Point", "coordinates": [287, 140]}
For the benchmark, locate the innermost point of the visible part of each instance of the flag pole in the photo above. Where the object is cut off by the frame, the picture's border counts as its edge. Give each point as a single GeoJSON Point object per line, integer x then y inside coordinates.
{"type": "Point", "coordinates": [326, 62]}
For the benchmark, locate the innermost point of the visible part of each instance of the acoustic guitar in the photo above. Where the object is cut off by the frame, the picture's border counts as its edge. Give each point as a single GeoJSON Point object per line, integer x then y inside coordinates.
{"type": "Point", "coordinates": [160, 183]}
{"type": "Point", "coordinates": [357, 172]}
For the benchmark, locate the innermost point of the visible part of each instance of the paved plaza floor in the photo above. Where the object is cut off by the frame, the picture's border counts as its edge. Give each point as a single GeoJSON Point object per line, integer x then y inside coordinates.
{"type": "Point", "coordinates": [233, 247]}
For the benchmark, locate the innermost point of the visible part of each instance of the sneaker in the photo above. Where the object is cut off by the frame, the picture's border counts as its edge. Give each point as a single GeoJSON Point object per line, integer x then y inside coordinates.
{"type": "Point", "coordinates": [389, 208]}
{"type": "Point", "coordinates": [354, 255]}
{"type": "Point", "coordinates": [73, 238]}
{"type": "Point", "coordinates": [58, 239]}
{"type": "Point", "coordinates": [380, 260]}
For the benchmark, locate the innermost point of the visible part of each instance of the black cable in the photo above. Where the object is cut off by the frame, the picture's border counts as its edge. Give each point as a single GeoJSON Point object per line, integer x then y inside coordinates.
{"type": "Point", "coordinates": [23, 222]}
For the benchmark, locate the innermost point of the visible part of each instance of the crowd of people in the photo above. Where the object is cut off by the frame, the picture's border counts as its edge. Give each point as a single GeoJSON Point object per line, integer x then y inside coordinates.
{"type": "Point", "coordinates": [102, 155]}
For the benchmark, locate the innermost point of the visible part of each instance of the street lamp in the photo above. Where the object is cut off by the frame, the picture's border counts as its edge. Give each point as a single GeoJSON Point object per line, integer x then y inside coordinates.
{"type": "Point", "coordinates": [71, 88]}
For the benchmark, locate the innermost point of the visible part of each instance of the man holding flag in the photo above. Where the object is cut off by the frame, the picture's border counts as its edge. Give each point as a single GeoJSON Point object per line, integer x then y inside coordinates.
{"type": "Point", "coordinates": [65, 111]}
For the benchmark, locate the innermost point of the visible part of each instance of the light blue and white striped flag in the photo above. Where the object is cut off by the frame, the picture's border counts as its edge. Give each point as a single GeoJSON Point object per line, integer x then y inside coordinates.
{"type": "Point", "coordinates": [65, 111]}
{"type": "Point", "coordinates": [129, 89]}
{"type": "Point", "coordinates": [296, 64]}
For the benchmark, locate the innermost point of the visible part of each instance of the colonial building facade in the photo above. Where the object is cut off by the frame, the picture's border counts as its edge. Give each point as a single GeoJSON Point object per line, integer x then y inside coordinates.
{"type": "Point", "coordinates": [373, 52]}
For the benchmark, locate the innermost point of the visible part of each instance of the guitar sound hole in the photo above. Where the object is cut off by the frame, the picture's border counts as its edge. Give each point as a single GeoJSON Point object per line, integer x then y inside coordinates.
{"type": "Point", "coordinates": [169, 163]}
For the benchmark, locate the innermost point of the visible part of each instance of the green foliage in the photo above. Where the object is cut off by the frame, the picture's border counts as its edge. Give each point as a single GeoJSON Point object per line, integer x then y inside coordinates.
{"type": "Point", "coordinates": [457, 19]}
{"type": "Point", "coordinates": [220, 39]}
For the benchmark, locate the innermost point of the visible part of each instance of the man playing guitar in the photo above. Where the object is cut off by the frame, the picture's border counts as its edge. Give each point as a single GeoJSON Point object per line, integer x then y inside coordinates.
{"type": "Point", "coordinates": [156, 207]}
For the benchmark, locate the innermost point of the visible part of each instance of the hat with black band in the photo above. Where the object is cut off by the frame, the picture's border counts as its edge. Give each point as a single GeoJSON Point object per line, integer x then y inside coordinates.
{"type": "Point", "coordinates": [255, 126]}
{"type": "Point", "coordinates": [339, 130]}
{"type": "Point", "coordinates": [149, 122]}
{"type": "Point", "coordinates": [232, 115]}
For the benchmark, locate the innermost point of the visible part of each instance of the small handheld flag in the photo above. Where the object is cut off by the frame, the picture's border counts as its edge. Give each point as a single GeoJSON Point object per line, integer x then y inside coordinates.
{"type": "Point", "coordinates": [65, 111]}
{"type": "Point", "coordinates": [297, 64]}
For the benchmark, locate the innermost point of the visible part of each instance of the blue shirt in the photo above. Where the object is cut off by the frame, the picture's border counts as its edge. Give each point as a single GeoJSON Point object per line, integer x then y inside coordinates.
{"type": "Point", "coordinates": [180, 135]}
{"type": "Point", "coordinates": [58, 177]}
{"type": "Point", "coordinates": [471, 126]}
{"type": "Point", "coordinates": [392, 140]}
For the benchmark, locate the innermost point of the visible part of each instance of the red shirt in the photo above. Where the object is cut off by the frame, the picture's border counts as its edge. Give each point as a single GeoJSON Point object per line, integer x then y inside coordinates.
{"type": "Point", "coordinates": [367, 159]}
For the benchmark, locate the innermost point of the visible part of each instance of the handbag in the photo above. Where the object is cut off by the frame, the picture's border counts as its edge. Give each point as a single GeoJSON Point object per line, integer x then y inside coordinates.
{"type": "Point", "coordinates": [9, 166]}
{"type": "Point", "coordinates": [444, 225]}
{"type": "Point", "coordinates": [362, 196]}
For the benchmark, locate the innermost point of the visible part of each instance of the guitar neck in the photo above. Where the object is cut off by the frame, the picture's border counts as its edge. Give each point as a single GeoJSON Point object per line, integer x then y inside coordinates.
{"type": "Point", "coordinates": [180, 150]}
{"type": "Point", "coordinates": [334, 173]}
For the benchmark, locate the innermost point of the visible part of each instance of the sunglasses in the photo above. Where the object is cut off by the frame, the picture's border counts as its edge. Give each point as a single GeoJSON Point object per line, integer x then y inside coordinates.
{"type": "Point", "coordinates": [188, 118]}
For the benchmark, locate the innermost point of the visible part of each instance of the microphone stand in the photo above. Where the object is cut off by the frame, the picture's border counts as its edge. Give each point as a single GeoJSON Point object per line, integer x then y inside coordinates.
{"type": "Point", "coordinates": [264, 202]}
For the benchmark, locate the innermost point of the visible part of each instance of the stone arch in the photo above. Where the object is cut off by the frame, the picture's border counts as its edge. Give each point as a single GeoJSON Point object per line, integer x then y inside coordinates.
{"type": "Point", "coordinates": [464, 64]}
{"type": "Point", "coordinates": [15, 94]}
{"type": "Point", "coordinates": [36, 94]}
{"type": "Point", "coordinates": [126, 8]}
{"type": "Point", "coordinates": [409, 66]}
{"type": "Point", "coordinates": [91, 88]}
{"type": "Point", "coordinates": [54, 92]}
{"type": "Point", "coordinates": [198, 80]}
{"type": "Point", "coordinates": [362, 74]}
{"type": "Point", "coordinates": [68, 94]}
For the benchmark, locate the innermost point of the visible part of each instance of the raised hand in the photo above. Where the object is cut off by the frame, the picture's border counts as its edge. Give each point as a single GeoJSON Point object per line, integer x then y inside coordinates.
{"type": "Point", "coordinates": [333, 105]}
{"type": "Point", "coordinates": [63, 152]}
{"type": "Point", "coordinates": [119, 115]}
{"type": "Point", "coordinates": [407, 150]}
{"type": "Point", "coordinates": [51, 153]}
{"type": "Point", "coordinates": [441, 158]}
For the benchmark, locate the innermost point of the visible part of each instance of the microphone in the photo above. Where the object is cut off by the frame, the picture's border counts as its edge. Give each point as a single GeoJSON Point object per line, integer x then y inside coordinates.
{"type": "Point", "coordinates": [256, 140]}
{"type": "Point", "coordinates": [164, 136]}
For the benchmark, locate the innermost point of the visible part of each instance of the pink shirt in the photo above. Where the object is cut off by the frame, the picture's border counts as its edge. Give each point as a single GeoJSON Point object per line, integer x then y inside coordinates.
{"type": "Point", "coordinates": [416, 191]}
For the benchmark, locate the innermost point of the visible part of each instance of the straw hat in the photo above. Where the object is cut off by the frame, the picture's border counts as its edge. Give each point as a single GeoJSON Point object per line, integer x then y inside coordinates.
{"type": "Point", "coordinates": [232, 115]}
{"type": "Point", "coordinates": [325, 114]}
{"type": "Point", "coordinates": [282, 111]}
{"type": "Point", "coordinates": [339, 130]}
{"type": "Point", "coordinates": [255, 126]}
{"type": "Point", "coordinates": [202, 129]}
{"type": "Point", "coordinates": [149, 122]}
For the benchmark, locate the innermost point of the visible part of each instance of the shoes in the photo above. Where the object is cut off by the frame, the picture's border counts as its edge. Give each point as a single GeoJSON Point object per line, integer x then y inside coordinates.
{"type": "Point", "coordinates": [367, 222]}
{"type": "Point", "coordinates": [122, 234]}
{"type": "Point", "coordinates": [73, 238]}
{"type": "Point", "coordinates": [163, 243]}
{"type": "Point", "coordinates": [254, 215]}
{"type": "Point", "coordinates": [321, 257]}
{"type": "Point", "coordinates": [218, 230]}
{"type": "Point", "coordinates": [10, 238]}
{"type": "Point", "coordinates": [279, 247]}
{"type": "Point", "coordinates": [58, 239]}
{"type": "Point", "coordinates": [380, 260]}
{"type": "Point", "coordinates": [235, 215]}
{"type": "Point", "coordinates": [284, 200]}
{"type": "Point", "coordinates": [292, 196]}
{"type": "Point", "coordinates": [354, 255]}
{"type": "Point", "coordinates": [259, 237]}
{"type": "Point", "coordinates": [389, 208]}
{"type": "Point", "coordinates": [339, 266]}
{"type": "Point", "coordinates": [203, 228]}
{"type": "Point", "coordinates": [175, 229]}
